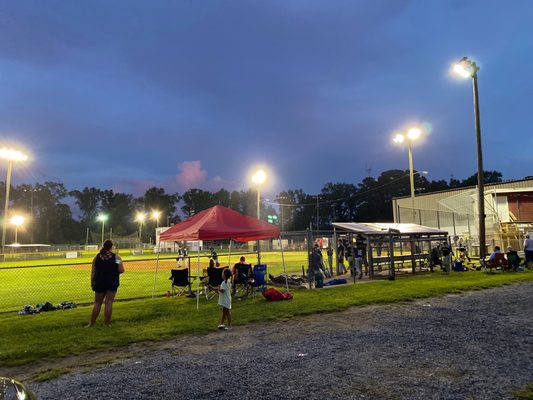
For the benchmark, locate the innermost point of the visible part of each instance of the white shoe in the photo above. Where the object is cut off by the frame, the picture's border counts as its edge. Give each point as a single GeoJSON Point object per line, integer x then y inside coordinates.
{"type": "Point", "coordinates": [222, 326]}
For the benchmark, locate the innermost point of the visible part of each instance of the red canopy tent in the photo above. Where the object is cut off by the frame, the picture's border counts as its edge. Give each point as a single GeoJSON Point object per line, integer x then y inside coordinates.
{"type": "Point", "coordinates": [218, 223]}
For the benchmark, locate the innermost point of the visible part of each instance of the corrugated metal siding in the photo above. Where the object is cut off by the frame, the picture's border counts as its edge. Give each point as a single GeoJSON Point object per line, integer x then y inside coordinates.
{"type": "Point", "coordinates": [430, 201]}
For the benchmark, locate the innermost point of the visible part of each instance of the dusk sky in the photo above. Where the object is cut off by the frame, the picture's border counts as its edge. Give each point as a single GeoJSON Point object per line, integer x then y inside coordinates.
{"type": "Point", "coordinates": [126, 95]}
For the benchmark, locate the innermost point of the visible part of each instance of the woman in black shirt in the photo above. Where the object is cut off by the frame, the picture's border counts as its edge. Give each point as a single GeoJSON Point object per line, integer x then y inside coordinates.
{"type": "Point", "coordinates": [106, 269]}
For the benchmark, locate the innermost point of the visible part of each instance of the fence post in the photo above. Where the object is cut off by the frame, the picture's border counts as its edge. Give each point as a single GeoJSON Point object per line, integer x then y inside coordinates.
{"type": "Point", "coordinates": [438, 219]}
{"type": "Point", "coordinates": [453, 222]}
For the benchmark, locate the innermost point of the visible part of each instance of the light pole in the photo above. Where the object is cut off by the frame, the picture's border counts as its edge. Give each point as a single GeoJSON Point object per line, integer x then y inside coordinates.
{"type": "Point", "coordinates": [16, 221]}
{"type": "Point", "coordinates": [412, 135]}
{"type": "Point", "coordinates": [468, 69]}
{"type": "Point", "coordinates": [10, 155]}
{"type": "Point", "coordinates": [140, 219]}
{"type": "Point", "coordinates": [156, 215]}
{"type": "Point", "coordinates": [258, 179]}
{"type": "Point", "coordinates": [32, 190]}
{"type": "Point", "coordinates": [102, 218]}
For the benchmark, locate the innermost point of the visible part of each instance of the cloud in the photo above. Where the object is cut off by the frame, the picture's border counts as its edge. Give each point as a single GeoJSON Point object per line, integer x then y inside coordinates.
{"type": "Point", "coordinates": [191, 175]}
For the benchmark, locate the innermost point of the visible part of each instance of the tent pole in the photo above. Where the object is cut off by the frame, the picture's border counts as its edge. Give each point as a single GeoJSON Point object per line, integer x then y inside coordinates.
{"type": "Point", "coordinates": [229, 255]}
{"type": "Point", "coordinates": [283, 261]}
{"type": "Point", "coordinates": [197, 275]}
{"type": "Point", "coordinates": [156, 267]}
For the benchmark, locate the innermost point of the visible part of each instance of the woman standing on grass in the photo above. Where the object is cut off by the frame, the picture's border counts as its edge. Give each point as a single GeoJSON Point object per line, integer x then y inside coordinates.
{"type": "Point", "coordinates": [106, 268]}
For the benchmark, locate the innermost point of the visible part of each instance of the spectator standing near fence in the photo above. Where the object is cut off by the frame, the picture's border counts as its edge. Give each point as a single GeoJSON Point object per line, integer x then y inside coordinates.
{"type": "Point", "coordinates": [329, 253]}
{"type": "Point", "coordinates": [446, 257]}
{"type": "Point", "coordinates": [224, 299]}
{"type": "Point", "coordinates": [528, 250]}
{"type": "Point", "coordinates": [341, 254]}
{"type": "Point", "coordinates": [106, 269]}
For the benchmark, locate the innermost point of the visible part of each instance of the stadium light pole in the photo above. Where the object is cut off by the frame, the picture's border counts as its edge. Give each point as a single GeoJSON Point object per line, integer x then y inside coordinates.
{"type": "Point", "coordinates": [140, 219]}
{"type": "Point", "coordinates": [16, 221]}
{"type": "Point", "coordinates": [466, 68]}
{"type": "Point", "coordinates": [412, 135]}
{"type": "Point", "coordinates": [102, 218]}
{"type": "Point", "coordinates": [156, 215]}
{"type": "Point", "coordinates": [259, 179]}
{"type": "Point", "coordinates": [11, 156]}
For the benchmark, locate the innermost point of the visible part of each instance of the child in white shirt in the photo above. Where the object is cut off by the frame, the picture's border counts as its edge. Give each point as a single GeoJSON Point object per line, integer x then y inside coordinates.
{"type": "Point", "coordinates": [224, 299]}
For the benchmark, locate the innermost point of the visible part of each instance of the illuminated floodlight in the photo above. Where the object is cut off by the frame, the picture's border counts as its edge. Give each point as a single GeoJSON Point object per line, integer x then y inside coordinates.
{"type": "Point", "coordinates": [399, 138]}
{"type": "Point", "coordinates": [101, 217]}
{"type": "Point", "coordinates": [414, 133]}
{"type": "Point", "coordinates": [465, 68]}
{"type": "Point", "coordinates": [156, 214]}
{"type": "Point", "coordinates": [17, 220]}
{"type": "Point", "coordinates": [12, 155]}
{"type": "Point", "coordinates": [259, 177]}
{"type": "Point", "coordinates": [140, 217]}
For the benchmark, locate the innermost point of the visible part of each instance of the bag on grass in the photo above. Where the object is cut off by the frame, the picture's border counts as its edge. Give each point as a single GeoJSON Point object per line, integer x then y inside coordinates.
{"type": "Point", "coordinates": [275, 295]}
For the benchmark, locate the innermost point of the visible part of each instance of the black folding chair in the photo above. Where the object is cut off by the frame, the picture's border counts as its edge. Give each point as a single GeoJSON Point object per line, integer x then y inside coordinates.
{"type": "Point", "coordinates": [243, 280]}
{"type": "Point", "coordinates": [211, 281]}
{"type": "Point", "coordinates": [181, 280]}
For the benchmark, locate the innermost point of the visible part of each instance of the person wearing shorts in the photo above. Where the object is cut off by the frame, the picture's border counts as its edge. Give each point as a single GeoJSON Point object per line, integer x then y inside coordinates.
{"type": "Point", "coordinates": [106, 269]}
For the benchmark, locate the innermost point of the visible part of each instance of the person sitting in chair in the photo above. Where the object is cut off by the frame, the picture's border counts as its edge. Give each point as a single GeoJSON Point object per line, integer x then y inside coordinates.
{"type": "Point", "coordinates": [235, 272]}
{"type": "Point", "coordinates": [513, 259]}
{"type": "Point", "coordinates": [496, 259]}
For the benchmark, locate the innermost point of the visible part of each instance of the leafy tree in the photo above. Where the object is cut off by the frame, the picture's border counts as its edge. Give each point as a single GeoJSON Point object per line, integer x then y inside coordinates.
{"type": "Point", "coordinates": [119, 207]}
{"type": "Point", "coordinates": [156, 199]}
{"type": "Point", "coordinates": [88, 201]}
{"type": "Point", "coordinates": [488, 177]}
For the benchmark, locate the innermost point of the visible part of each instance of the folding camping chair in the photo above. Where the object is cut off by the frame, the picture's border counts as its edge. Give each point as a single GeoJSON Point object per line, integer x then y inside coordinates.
{"type": "Point", "coordinates": [181, 280]}
{"type": "Point", "coordinates": [211, 281]}
{"type": "Point", "coordinates": [260, 272]}
{"type": "Point", "coordinates": [243, 280]}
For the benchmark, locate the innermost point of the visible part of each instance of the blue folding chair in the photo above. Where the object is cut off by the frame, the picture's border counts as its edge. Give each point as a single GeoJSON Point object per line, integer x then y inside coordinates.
{"type": "Point", "coordinates": [260, 272]}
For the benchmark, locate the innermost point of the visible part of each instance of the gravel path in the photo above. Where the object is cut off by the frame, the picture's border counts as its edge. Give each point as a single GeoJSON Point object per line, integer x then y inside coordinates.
{"type": "Point", "coordinates": [477, 345]}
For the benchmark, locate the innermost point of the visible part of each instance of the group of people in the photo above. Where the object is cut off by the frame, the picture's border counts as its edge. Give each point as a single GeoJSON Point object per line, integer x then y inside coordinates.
{"type": "Point", "coordinates": [107, 266]}
{"type": "Point", "coordinates": [354, 253]}
{"type": "Point", "coordinates": [442, 255]}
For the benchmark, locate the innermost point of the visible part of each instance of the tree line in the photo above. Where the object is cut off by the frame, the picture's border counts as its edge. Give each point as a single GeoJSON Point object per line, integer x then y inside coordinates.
{"type": "Point", "coordinates": [49, 218]}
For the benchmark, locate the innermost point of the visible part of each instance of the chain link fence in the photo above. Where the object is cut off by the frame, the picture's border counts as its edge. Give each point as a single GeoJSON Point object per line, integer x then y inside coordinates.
{"type": "Point", "coordinates": [464, 227]}
{"type": "Point", "coordinates": [54, 278]}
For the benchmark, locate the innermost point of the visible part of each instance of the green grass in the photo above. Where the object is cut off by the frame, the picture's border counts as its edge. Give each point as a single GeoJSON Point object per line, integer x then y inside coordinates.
{"type": "Point", "coordinates": [71, 281]}
{"type": "Point", "coordinates": [31, 338]}
{"type": "Point", "coordinates": [525, 393]}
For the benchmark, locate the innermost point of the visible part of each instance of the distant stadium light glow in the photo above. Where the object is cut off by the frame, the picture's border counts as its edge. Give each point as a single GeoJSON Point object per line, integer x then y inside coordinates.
{"type": "Point", "coordinates": [12, 155]}
{"type": "Point", "coordinates": [399, 138]}
{"type": "Point", "coordinates": [259, 177]}
{"type": "Point", "coordinates": [462, 70]}
{"type": "Point", "coordinates": [414, 133]}
{"type": "Point", "coordinates": [17, 220]}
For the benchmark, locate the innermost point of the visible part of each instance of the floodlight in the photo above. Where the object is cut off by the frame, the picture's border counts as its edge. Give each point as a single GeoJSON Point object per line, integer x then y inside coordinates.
{"type": "Point", "coordinates": [399, 138]}
{"type": "Point", "coordinates": [259, 177]}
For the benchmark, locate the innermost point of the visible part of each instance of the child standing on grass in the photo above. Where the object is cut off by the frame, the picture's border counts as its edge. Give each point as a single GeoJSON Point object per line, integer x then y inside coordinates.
{"type": "Point", "coordinates": [224, 299]}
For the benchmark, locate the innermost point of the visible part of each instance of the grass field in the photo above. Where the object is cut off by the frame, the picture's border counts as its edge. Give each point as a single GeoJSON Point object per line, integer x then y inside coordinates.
{"type": "Point", "coordinates": [30, 338]}
{"type": "Point", "coordinates": [71, 281]}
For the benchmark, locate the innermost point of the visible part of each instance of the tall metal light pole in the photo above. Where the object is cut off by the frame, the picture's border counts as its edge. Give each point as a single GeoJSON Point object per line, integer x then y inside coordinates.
{"type": "Point", "coordinates": [317, 214]}
{"type": "Point", "coordinates": [10, 155]}
{"type": "Point", "coordinates": [258, 179]}
{"type": "Point", "coordinates": [102, 218]}
{"type": "Point", "coordinates": [467, 68]}
{"type": "Point", "coordinates": [140, 219]}
{"type": "Point", "coordinates": [412, 135]}
{"type": "Point", "coordinates": [16, 221]}
{"type": "Point", "coordinates": [156, 215]}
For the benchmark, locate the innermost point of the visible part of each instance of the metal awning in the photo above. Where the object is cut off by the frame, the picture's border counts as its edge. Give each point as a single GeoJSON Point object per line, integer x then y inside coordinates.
{"type": "Point", "coordinates": [382, 228]}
